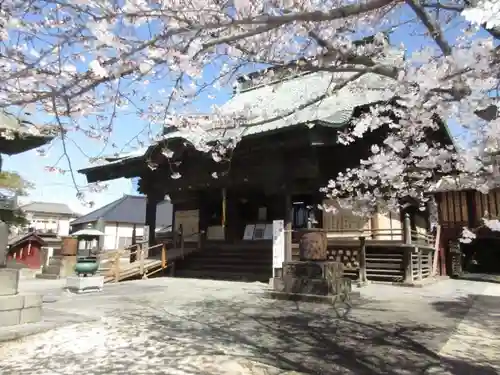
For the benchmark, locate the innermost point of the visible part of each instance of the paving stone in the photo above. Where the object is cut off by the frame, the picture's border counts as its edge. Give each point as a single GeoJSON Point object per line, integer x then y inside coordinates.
{"type": "Point", "coordinates": [186, 326]}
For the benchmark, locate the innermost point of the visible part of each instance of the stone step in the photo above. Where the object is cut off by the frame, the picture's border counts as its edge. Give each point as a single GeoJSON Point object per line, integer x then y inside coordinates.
{"type": "Point", "coordinates": [57, 257]}
{"type": "Point", "coordinates": [258, 262]}
{"type": "Point", "coordinates": [56, 263]}
{"type": "Point", "coordinates": [223, 275]}
{"type": "Point", "coordinates": [236, 267]}
{"type": "Point", "coordinates": [47, 276]}
{"type": "Point", "coordinates": [53, 270]}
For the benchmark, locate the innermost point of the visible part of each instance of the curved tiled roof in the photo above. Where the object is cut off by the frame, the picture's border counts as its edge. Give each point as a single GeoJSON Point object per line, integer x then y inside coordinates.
{"type": "Point", "coordinates": [264, 105]}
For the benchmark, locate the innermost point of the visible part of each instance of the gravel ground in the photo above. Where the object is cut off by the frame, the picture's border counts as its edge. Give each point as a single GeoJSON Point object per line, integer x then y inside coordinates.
{"type": "Point", "coordinates": [187, 326]}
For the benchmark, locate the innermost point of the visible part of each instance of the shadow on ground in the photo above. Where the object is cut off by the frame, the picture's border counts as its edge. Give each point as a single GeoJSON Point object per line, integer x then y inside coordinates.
{"type": "Point", "coordinates": [480, 277]}
{"type": "Point", "coordinates": [478, 332]}
{"type": "Point", "coordinates": [482, 309]}
{"type": "Point", "coordinates": [254, 336]}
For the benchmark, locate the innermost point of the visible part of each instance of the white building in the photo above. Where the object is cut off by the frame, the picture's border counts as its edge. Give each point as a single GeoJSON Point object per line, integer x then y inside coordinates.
{"type": "Point", "coordinates": [118, 219]}
{"type": "Point", "coordinates": [47, 217]}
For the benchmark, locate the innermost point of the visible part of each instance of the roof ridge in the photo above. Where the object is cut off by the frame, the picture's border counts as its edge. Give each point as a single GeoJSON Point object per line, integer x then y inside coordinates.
{"type": "Point", "coordinates": [45, 202]}
{"type": "Point", "coordinates": [48, 207]}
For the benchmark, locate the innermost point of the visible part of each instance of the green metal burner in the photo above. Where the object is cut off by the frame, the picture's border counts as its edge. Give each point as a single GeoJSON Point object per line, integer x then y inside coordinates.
{"type": "Point", "coordinates": [86, 266]}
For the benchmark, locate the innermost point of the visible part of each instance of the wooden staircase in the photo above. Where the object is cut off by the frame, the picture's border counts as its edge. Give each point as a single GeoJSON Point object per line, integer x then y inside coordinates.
{"type": "Point", "coordinates": [144, 266]}
{"type": "Point", "coordinates": [245, 261]}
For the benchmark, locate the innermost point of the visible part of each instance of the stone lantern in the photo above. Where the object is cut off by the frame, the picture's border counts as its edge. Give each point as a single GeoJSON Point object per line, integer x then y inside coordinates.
{"type": "Point", "coordinates": [88, 249]}
{"type": "Point", "coordinates": [87, 262]}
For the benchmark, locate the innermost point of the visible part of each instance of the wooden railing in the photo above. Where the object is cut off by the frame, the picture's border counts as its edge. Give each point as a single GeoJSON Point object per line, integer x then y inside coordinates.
{"type": "Point", "coordinates": [142, 266]}
{"type": "Point", "coordinates": [409, 259]}
{"type": "Point", "coordinates": [141, 262]}
{"type": "Point", "coordinates": [404, 235]}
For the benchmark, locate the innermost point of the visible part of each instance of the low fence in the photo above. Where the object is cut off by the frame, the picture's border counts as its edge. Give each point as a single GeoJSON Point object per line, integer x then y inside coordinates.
{"type": "Point", "coordinates": [408, 258]}
{"type": "Point", "coordinates": [113, 268]}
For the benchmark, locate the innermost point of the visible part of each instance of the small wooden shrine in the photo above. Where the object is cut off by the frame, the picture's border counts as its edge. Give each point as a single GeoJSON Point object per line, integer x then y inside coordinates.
{"type": "Point", "coordinates": [275, 173]}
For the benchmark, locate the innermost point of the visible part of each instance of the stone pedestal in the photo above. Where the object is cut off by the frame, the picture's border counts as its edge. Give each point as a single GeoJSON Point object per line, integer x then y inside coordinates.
{"type": "Point", "coordinates": [312, 281]}
{"type": "Point", "coordinates": [17, 308]}
{"type": "Point", "coordinates": [85, 284]}
{"type": "Point", "coordinates": [318, 278]}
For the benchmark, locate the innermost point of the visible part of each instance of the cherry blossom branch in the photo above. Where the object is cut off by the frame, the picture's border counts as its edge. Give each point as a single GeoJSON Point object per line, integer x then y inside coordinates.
{"type": "Point", "coordinates": [432, 26]}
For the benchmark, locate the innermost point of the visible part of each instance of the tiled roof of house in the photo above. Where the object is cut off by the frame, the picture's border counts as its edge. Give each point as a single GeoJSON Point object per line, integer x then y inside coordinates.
{"type": "Point", "coordinates": [130, 209]}
{"type": "Point", "coordinates": [49, 208]}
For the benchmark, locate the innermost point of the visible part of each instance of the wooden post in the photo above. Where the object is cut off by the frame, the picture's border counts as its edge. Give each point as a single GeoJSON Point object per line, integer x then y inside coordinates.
{"type": "Point", "coordinates": [181, 233]}
{"type": "Point", "coordinates": [408, 265]}
{"type": "Point", "coordinates": [116, 266]}
{"type": "Point", "coordinates": [437, 245]}
{"type": "Point", "coordinates": [224, 208]}
{"type": "Point", "coordinates": [175, 237]}
{"type": "Point", "coordinates": [374, 226]}
{"type": "Point", "coordinates": [133, 256]}
{"type": "Point", "coordinates": [288, 227]}
{"type": "Point", "coordinates": [419, 264]}
{"type": "Point", "coordinates": [151, 203]}
{"type": "Point", "coordinates": [141, 260]}
{"type": "Point", "coordinates": [430, 257]}
{"type": "Point", "coordinates": [407, 228]}
{"type": "Point", "coordinates": [172, 268]}
{"type": "Point", "coordinates": [164, 256]}
{"type": "Point", "coordinates": [363, 279]}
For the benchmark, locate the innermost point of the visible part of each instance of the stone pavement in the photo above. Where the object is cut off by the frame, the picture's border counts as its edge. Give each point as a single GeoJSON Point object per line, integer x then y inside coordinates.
{"type": "Point", "coordinates": [187, 326]}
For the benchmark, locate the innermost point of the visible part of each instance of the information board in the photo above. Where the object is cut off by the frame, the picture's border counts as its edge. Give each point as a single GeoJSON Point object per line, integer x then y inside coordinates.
{"type": "Point", "coordinates": [278, 244]}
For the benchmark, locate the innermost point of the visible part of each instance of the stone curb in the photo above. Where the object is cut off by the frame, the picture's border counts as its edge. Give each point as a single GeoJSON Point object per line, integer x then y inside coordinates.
{"type": "Point", "coordinates": [57, 320]}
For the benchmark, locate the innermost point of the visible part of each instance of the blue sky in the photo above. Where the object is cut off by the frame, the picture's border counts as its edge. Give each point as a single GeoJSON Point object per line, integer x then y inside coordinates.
{"type": "Point", "coordinates": [55, 187]}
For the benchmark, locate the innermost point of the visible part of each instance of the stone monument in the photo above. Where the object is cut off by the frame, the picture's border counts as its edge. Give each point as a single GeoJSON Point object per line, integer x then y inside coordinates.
{"type": "Point", "coordinates": [313, 278]}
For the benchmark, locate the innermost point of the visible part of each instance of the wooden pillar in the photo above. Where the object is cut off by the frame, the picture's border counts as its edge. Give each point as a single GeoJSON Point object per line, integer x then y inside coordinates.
{"type": "Point", "coordinates": [430, 262]}
{"type": "Point", "coordinates": [419, 264]}
{"type": "Point", "coordinates": [204, 217]}
{"type": "Point", "coordinates": [374, 226]}
{"type": "Point", "coordinates": [175, 236]}
{"type": "Point", "coordinates": [407, 228]}
{"type": "Point", "coordinates": [133, 248]}
{"type": "Point", "coordinates": [407, 250]}
{"type": "Point", "coordinates": [288, 226]}
{"type": "Point", "coordinates": [152, 201]}
{"type": "Point", "coordinates": [363, 279]}
{"type": "Point", "coordinates": [471, 209]}
{"type": "Point", "coordinates": [224, 214]}
{"type": "Point", "coordinates": [407, 265]}
{"type": "Point", "coordinates": [428, 218]}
